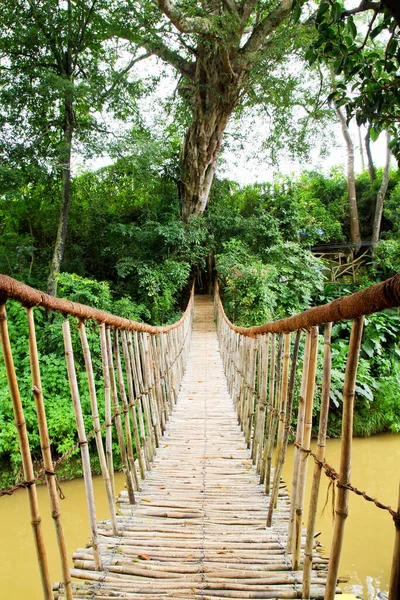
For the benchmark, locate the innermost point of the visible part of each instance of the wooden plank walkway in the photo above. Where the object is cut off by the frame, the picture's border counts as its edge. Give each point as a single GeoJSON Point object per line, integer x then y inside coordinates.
{"type": "Point", "coordinates": [198, 529]}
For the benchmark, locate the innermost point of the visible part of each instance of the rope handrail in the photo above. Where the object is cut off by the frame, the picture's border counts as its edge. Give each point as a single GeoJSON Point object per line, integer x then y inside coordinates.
{"type": "Point", "coordinates": [372, 299]}
{"type": "Point", "coordinates": [28, 296]}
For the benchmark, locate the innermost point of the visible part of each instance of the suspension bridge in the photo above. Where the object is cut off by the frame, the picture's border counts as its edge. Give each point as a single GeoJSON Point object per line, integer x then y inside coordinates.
{"type": "Point", "coordinates": [198, 408]}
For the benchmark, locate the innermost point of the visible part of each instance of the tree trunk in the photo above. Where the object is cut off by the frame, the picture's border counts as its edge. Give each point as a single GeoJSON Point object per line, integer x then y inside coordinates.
{"type": "Point", "coordinates": [355, 236]}
{"type": "Point", "coordinates": [381, 197]}
{"type": "Point", "coordinates": [65, 156]}
{"type": "Point", "coordinates": [214, 96]}
{"type": "Point", "coordinates": [361, 149]}
{"type": "Point", "coordinates": [371, 166]}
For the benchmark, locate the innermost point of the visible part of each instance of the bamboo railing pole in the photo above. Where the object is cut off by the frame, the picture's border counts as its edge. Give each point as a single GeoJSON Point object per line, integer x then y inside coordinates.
{"type": "Point", "coordinates": [394, 585]}
{"type": "Point", "coordinates": [298, 442]}
{"type": "Point", "coordinates": [288, 417]}
{"type": "Point", "coordinates": [108, 360]}
{"type": "Point", "coordinates": [97, 427]}
{"type": "Point", "coordinates": [345, 455]}
{"type": "Point", "coordinates": [138, 384]}
{"type": "Point", "coordinates": [263, 406]}
{"type": "Point", "coordinates": [150, 384]}
{"type": "Point", "coordinates": [270, 408]}
{"type": "Point", "coordinates": [156, 360]}
{"type": "Point", "coordinates": [107, 404]}
{"type": "Point", "coordinates": [144, 401]}
{"type": "Point", "coordinates": [309, 404]}
{"type": "Point", "coordinates": [133, 405]}
{"type": "Point", "coordinates": [320, 453]}
{"type": "Point", "coordinates": [249, 387]}
{"type": "Point", "coordinates": [125, 406]}
{"type": "Point", "coordinates": [274, 416]}
{"type": "Point", "coordinates": [26, 457]}
{"type": "Point", "coordinates": [258, 398]}
{"type": "Point", "coordinates": [83, 443]}
{"type": "Point", "coordinates": [46, 455]}
{"type": "Point", "coordinates": [284, 395]}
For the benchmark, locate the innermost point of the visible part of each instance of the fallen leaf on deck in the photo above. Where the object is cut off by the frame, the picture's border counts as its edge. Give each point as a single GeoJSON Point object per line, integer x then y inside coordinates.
{"type": "Point", "coordinates": [144, 557]}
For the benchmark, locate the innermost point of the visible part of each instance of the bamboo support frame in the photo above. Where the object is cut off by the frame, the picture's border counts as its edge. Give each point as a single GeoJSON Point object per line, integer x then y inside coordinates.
{"type": "Point", "coordinates": [276, 399]}
{"type": "Point", "coordinates": [288, 414]}
{"type": "Point", "coordinates": [26, 457]}
{"type": "Point", "coordinates": [83, 443]}
{"type": "Point", "coordinates": [133, 405]}
{"type": "Point", "coordinates": [129, 477]}
{"type": "Point", "coordinates": [125, 405]}
{"type": "Point", "coordinates": [301, 486]}
{"type": "Point", "coordinates": [298, 443]}
{"type": "Point", "coordinates": [46, 455]}
{"type": "Point", "coordinates": [341, 510]}
{"type": "Point", "coordinates": [107, 404]}
{"type": "Point", "coordinates": [97, 427]}
{"type": "Point", "coordinates": [320, 453]}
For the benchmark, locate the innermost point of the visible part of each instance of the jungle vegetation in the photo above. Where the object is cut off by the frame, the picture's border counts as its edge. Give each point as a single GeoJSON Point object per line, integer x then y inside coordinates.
{"type": "Point", "coordinates": [129, 237]}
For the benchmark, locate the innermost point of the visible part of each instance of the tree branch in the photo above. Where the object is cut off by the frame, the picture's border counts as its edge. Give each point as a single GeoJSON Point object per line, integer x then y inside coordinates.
{"type": "Point", "coordinates": [266, 26]}
{"type": "Point", "coordinates": [362, 7]}
{"type": "Point", "coordinates": [121, 74]}
{"type": "Point", "coordinates": [183, 24]}
{"type": "Point", "coordinates": [156, 46]}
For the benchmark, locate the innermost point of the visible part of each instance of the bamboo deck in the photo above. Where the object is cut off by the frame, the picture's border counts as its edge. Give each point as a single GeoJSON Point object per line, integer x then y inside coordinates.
{"type": "Point", "coordinates": [198, 530]}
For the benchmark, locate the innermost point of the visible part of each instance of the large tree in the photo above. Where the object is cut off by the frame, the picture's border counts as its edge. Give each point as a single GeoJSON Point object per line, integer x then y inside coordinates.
{"type": "Point", "coordinates": [220, 48]}
{"type": "Point", "coordinates": [57, 70]}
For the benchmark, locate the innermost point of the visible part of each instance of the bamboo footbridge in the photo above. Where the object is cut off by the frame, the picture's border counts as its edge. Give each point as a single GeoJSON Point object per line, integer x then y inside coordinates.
{"type": "Point", "coordinates": [202, 415]}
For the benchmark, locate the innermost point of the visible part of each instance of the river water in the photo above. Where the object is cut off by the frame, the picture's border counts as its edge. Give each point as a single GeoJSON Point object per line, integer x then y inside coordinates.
{"type": "Point", "coordinates": [369, 534]}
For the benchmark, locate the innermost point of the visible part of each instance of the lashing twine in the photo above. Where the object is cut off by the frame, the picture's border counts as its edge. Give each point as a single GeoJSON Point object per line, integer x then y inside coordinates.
{"type": "Point", "coordinates": [333, 475]}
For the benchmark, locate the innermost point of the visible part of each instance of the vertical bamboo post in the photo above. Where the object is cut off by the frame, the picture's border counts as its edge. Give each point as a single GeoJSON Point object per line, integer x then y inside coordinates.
{"type": "Point", "coordinates": [132, 404]}
{"type": "Point", "coordinates": [298, 442]}
{"type": "Point", "coordinates": [270, 408]}
{"type": "Point", "coordinates": [342, 502]}
{"type": "Point", "coordinates": [27, 466]}
{"type": "Point", "coordinates": [274, 417]}
{"type": "Point", "coordinates": [96, 426]}
{"type": "Point", "coordinates": [107, 403]}
{"type": "Point", "coordinates": [320, 453]}
{"type": "Point", "coordinates": [258, 401]}
{"type": "Point", "coordinates": [284, 395]}
{"type": "Point", "coordinates": [138, 385]}
{"type": "Point", "coordinates": [309, 403]}
{"type": "Point", "coordinates": [394, 585]}
{"type": "Point", "coordinates": [263, 406]}
{"type": "Point", "coordinates": [83, 443]}
{"type": "Point", "coordinates": [140, 369]}
{"type": "Point", "coordinates": [108, 360]}
{"type": "Point", "coordinates": [282, 453]}
{"type": "Point", "coordinates": [46, 455]}
{"type": "Point", "coordinates": [127, 421]}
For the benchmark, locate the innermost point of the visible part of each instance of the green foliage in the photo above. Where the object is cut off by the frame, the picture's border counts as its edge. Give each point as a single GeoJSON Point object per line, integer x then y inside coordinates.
{"type": "Point", "coordinates": [246, 284]}
{"type": "Point", "coordinates": [367, 60]}
{"type": "Point", "coordinates": [376, 402]}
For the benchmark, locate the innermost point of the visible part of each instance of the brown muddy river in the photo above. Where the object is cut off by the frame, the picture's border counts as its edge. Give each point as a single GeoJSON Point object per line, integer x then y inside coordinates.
{"type": "Point", "coordinates": [369, 534]}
